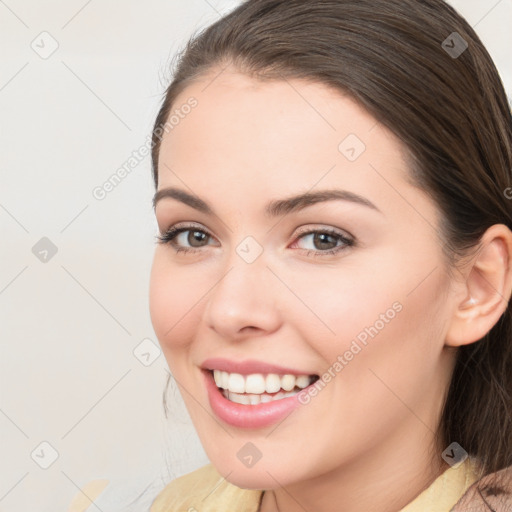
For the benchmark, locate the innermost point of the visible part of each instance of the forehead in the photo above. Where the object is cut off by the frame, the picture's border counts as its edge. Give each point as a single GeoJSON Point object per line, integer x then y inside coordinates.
{"type": "Point", "coordinates": [279, 136]}
{"type": "Point", "coordinates": [271, 106]}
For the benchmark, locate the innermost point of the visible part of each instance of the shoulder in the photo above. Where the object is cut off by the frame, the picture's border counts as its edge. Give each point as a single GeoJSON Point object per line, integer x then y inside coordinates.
{"type": "Point", "coordinates": [205, 490]}
{"type": "Point", "coordinates": [491, 492]}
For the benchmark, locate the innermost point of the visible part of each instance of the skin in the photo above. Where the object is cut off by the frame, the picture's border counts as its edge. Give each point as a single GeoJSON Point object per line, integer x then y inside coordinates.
{"type": "Point", "coordinates": [367, 440]}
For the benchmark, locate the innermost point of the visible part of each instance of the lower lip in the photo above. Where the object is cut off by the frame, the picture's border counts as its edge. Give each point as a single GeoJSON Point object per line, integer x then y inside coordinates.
{"type": "Point", "coordinates": [248, 416]}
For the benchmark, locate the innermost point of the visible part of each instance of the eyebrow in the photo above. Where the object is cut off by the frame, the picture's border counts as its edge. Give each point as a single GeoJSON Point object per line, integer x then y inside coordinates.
{"type": "Point", "coordinates": [274, 208]}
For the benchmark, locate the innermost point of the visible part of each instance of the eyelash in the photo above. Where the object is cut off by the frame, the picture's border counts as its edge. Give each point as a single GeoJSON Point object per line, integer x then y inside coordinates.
{"type": "Point", "coordinates": [173, 232]}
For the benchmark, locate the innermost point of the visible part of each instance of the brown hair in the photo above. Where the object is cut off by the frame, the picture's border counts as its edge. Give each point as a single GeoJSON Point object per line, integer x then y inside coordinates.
{"type": "Point", "coordinates": [402, 62]}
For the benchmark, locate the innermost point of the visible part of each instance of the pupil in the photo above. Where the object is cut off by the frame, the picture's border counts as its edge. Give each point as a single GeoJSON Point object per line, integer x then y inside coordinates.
{"type": "Point", "coordinates": [197, 236]}
{"type": "Point", "coordinates": [322, 235]}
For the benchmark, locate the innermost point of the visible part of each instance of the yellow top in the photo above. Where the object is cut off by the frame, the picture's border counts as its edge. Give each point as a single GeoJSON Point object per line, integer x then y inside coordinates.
{"type": "Point", "coordinates": [205, 490]}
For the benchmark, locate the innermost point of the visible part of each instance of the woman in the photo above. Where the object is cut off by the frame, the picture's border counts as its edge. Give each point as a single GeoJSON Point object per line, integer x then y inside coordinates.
{"type": "Point", "coordinates": [332, 280]}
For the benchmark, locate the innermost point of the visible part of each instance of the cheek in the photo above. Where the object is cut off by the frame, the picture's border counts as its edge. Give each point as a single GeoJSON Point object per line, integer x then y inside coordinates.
{"type": "Point", "coordinates": [174, 303]}
{"type": "Point", "coordinates": [384, 310]}
{"type": "Point", "coordinates": [391, 346]}
{"type": "Point", "coordinates": [339, 303]}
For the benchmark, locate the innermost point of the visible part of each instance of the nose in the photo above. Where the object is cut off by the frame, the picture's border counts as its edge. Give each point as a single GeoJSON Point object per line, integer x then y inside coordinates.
{"type": "Point", "coordinates": [244, 302]}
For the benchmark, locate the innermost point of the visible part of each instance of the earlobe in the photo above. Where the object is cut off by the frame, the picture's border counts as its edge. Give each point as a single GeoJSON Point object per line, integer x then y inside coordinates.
{"type": "Point", "coordinates": [486, 290]}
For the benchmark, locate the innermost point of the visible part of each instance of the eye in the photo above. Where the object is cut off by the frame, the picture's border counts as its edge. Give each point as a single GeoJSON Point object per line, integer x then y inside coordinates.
{"type": "Point", "coordinates": [195, 237]}
{"type": "Point", "coordinates": [329, 241]}
{"type": "Point", "coordinates": [174, 234]}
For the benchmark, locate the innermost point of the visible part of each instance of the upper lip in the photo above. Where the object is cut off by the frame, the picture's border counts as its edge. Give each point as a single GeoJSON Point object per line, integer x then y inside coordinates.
{"type": "Point", "coordinates": [248, 366]}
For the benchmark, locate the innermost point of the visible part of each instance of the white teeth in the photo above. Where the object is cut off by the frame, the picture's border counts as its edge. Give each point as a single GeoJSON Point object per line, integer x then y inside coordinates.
{"type": "Point", "coordinates": [249, 399]}
{"type": "Point", "coordinates": [238, 398]}
{"type": "Point", "coordinates": [254, 399]}
{"type": "Point", "coordinates": [258, 384]}
{"type": "Point", "coordinates": [236, 383]}
{"type": "Point", "coordinates": [224, 380]}
{"type": "Point", "coordinates": [272, 383]}
{"type": "Point", "coordinates": [302, 381]}
{"type": "Point", "coordinates": [217, 377]}
{"type": "Point", "coordinates": [288, 382]}
{"type": "Point", "coordinates": [255, 383]}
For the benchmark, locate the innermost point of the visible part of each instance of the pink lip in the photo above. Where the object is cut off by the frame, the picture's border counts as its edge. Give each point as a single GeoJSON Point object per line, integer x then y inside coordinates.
{"type": "Point", "coordinates": [247, 416]}
{"type": "Point", "coordinates": [247, 367]}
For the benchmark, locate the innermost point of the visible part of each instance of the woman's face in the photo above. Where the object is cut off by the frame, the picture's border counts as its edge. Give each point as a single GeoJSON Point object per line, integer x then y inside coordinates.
{"type": "Point", "coordinates": [351, 289]}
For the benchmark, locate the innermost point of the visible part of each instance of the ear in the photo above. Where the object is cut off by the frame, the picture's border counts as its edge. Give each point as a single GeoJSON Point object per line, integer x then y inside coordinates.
{"type": "Point", "coordinates": [484, 294]}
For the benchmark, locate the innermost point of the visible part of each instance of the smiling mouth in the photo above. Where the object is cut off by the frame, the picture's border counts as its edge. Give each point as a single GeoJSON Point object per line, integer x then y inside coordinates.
{"type": "Point", "coordinates": [258, 388]}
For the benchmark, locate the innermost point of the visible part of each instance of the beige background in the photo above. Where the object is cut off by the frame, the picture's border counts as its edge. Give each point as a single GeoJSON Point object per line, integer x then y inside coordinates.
{"type": "Point", "coordinates": [69, 326]}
